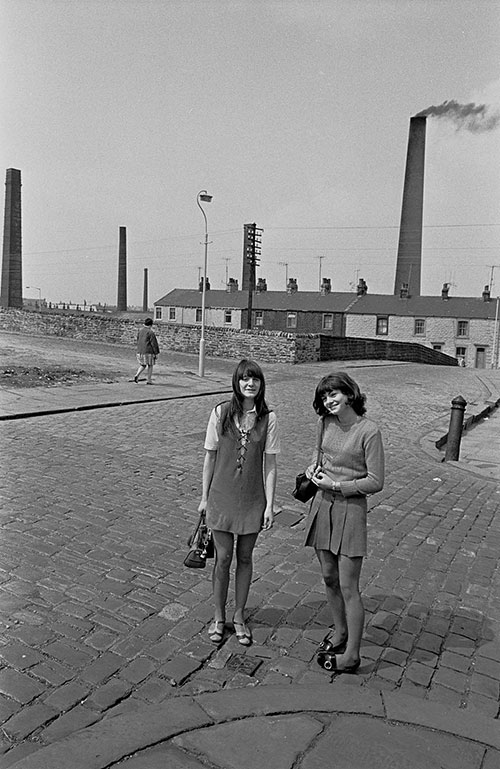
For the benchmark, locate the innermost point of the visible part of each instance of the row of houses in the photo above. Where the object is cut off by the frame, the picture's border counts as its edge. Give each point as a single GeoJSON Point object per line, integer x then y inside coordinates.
{"type": "Point", "coordinates": [463, 327]}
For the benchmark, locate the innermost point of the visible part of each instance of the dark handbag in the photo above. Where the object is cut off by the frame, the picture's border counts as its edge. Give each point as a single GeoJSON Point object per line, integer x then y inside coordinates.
{"type": "Point", "coordinates": [201, 545]}
{"type": "Point", "coordinates": [305, 489]}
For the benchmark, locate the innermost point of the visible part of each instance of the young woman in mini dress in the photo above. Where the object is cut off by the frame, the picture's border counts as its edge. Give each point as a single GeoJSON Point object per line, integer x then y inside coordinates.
{"type": "Point", "coordinates": [239, 482]}
{"type": "Point", "coordinates": [352, 467]}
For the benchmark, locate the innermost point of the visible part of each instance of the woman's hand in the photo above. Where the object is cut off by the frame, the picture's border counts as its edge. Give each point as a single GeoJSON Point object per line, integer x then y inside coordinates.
{"type": "Point", "coordinates": [311, 470]}
{"type": "Point", "coordinates": [202, 507]}
{"type": "Point", "coordinates": [268, 519]}
{"type": "Point", "coordinates": [322, 481]}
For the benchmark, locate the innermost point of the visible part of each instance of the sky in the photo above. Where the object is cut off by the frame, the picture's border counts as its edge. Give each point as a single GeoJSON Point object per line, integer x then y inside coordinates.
{"type": "Point", "coordinates": [293, 114]}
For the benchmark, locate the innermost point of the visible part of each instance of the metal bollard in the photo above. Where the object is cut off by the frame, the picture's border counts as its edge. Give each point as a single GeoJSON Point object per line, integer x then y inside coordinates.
{"type": "Point", "coordinates": [458, 405]}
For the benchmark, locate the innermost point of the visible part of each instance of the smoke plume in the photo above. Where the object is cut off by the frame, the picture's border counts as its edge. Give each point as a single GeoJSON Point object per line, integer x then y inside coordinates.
{"type": "Point", "coordinates": [472, 117]}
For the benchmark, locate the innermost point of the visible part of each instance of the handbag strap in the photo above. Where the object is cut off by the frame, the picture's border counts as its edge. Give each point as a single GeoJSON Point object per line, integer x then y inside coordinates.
{"type": "Point", "coordinates": [319, 439]}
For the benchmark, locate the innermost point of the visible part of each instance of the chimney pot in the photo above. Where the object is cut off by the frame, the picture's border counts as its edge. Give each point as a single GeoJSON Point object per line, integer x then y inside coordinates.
{"type": "Point", "coordinates": [292, 286]}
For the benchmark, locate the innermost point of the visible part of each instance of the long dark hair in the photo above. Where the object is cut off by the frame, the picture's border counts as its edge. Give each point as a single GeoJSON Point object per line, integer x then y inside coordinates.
{"type": "Point", "coordinates": [342, 382]}
{"type": "Point", "coordinates": [245, 368]}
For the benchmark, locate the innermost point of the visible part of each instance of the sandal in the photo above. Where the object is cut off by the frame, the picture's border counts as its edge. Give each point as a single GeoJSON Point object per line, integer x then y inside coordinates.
{"type": "Point", "coordinates": [216, 631]}
{"type": "Point", "coordinates": [243, 633]}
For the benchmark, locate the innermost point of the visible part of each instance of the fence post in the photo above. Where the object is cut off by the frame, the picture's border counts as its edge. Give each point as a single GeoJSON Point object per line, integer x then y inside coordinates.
{"type": "Point", "coordinates": [458, 405]}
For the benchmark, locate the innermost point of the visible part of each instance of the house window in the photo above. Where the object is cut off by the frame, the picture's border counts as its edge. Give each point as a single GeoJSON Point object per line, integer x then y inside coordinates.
{"type": "Point", "coordinates": [460, 354]}
{"type": "Point", "coordinates": [171, 313]}
{"type": "Point", "coordinates": [382, 325]}
{"type": "Point", "coordinates": [327, 321]}
{"type": "Point", "coordinates": [437, 347]}
{"type": "Point", "coordinates": [228, 316]}
{"type": "Point", "coordinates": [463, 328]}
{"type": "Point", "coordinates": [198, 315]}
{"type": "Point", "coordinates": [291, 320]}
{"type": "Point", "coordinates": [259, 317]}
{"type": "Point", "coordinates": [158, 313]}
{"type": "Point", "coordinates": [419, 326]}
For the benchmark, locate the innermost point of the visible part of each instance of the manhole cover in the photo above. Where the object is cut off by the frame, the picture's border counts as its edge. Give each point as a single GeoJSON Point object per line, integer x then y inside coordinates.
{"type": "Point", "coordinates": [243, 664]}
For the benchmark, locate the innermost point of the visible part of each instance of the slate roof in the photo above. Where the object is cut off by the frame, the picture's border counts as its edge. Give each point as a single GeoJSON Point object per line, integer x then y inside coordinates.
{"type": "Point", "coordinates": [347, 302]}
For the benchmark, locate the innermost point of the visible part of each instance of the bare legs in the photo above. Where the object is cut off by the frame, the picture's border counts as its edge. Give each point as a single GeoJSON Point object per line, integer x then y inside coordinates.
{"type": "Point", "coordinates": [341, 578]}
{"type": "Point", "coordinates": [149, 372]}
{"type": "Point", "coordinates": [224, 545]}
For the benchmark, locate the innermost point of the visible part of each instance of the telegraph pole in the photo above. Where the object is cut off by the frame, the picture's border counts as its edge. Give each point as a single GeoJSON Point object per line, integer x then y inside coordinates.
{"type": "Point", "coordinates": [320, 260]}
{"type": "Point", "coordinates": [251, 248]}
{"type": "Point", "coordinates": [285, 265]}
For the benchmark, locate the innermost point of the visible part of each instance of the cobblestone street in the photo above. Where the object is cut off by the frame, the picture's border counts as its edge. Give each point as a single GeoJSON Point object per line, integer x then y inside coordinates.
{"type": "Point", "coordinates": [99, 617]}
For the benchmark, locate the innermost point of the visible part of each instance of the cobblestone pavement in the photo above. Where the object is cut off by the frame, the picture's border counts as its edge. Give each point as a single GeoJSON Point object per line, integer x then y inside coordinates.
{"type": "Point", "coordinates": [100, 618]}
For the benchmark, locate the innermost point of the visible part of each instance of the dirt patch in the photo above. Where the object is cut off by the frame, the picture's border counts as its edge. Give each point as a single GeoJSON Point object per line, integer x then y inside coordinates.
{"type": "Point", "coordinates": [38, 376]}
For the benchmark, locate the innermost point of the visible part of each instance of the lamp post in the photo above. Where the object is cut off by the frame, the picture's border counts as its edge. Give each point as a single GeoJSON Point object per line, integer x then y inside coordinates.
{"type": "Point", "coordinates": [35, 288]}
{"type": "Point", "coordinates": [203, 197]}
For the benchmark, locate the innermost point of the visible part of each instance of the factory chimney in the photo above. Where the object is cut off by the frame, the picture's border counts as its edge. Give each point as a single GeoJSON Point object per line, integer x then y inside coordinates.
{"type": "Point", "coordinates": [121, 304]}
{"type": "Point", "coordinates": [145, 291]}
{"type": "Point", "coordinates": [409, 260]}
{"type": "Point", "coordinates": [11, 294]}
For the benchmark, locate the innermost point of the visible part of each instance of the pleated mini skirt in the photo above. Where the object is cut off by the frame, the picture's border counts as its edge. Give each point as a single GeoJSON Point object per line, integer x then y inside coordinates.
{"type": "Point", "coordinates": [338, 524]}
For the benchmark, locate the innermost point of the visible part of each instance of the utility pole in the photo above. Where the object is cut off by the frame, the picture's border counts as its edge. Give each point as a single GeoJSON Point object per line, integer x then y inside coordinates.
{"type": "Point", "coordinates": [492, 275]}
{"type": "Point", "coordinates": [251, 248]}
{"type": "Point", "coordinates": [320, 260]}
{"type": "Point", "coordinates": [285, 265]}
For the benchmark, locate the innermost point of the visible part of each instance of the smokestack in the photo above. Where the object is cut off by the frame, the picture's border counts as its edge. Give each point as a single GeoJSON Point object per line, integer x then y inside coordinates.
{"type": "Point", "coordinates": [121, 304]}
{"type": "Point", "coordinates": [11, 294]}
{"type": "Point", "coordinates": [409, 260]}
{"type": "Point", "coordinates": [145, 291]}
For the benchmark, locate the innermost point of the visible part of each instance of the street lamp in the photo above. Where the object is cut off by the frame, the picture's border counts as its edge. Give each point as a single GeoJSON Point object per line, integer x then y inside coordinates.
{"type": "Point", "coordinates": [35, 288]}
{"type": "Point", "coordinates": [204, 197]}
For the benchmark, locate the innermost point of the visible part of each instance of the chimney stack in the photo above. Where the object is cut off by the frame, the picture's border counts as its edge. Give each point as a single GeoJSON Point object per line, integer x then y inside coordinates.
{"type": "Point", "coordinates": [326, 286]}
{"type": "Point", "coordinates": [361, 288]}
{"type": "Point", "coordinates": [409, 259]}
{"type": "Point", "coordinates": [232, 285]}
{"type": "Point", "coordinates": [444, 291]}
{"type": "Point", "coordinates": [292, 286]}
{"type": "Point", "coordinates": [207, 285]}
{"type": "Point", "coordinates": [486, 294]}
{"type": "Point", "coordinates": [404, 291]}
{"type": "Point", "coordinates": [261, 285]}
{"type": "Point", "coordinates": [11, 294]}
{"type": "Point", "coordinates": [121, 304]}
{"type": "Point", "coordinates": [145, 291]}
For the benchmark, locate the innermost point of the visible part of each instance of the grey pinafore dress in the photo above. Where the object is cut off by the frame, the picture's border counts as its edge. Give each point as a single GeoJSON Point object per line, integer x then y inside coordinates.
{"type": "Point", "coordinates": [237, 499]}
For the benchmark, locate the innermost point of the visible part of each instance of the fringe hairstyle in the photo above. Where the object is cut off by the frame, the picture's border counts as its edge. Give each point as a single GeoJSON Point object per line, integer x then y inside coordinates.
{"type": "Point", "coordinates": [245, 368]}
{"type": "Point", "coordinates": [345, 384]}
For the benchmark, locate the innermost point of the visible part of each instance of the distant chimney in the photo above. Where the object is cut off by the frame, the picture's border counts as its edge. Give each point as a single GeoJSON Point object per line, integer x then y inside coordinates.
{"type": "Point", "coordinates": [445, 291]}
{"type": "Point", "coordinates": [11, 293]}
{"type": "Point", "coordinates": [486, 294]}
{"type": "Point", "coordinates": [292, 286]}
{"type": "Point", "coordinates": [261, 285]}
{"type": "Point", "coordinates": [361, 288]}
{"type": "Point", "coordinates": [207, 285]}
{"type": "Point", "coordinates": [121, 304]}
{"type": "Point", "coordinates": [404, 291]}
{"type": "Point", "coordinates": [409, 259]}
{"type": "Point", "coordinates": [145, 291]}
{"type": "Point", "coordinates": [232, 285]}
{"type": "Point", "coordinates": [326, 286]}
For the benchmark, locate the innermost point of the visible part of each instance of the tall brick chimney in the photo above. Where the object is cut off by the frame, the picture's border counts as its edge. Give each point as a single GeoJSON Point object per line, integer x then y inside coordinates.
{"type": "Point", "coordinates": [409, 260]}
{"type": "Point", "coordinates": [121, 304]}
{"type": "Point", "coordinates": [145, 291]}
{"type": "Point", "coordinates": [11, 294]}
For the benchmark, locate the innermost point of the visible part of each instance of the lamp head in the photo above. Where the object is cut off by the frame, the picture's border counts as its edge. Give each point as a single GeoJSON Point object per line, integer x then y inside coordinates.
{"type": "Point", "coordinates": [205, 197]}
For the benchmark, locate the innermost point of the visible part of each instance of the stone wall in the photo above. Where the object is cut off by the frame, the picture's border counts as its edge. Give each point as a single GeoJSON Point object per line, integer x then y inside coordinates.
{"type": "Point", "coordinates": [265, 346]}
{"type": "Point", "coordinates": [348, 348]}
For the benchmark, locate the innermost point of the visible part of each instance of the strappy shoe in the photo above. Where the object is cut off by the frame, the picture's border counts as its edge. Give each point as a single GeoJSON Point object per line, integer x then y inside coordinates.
{"type": "Point", "coordinates": [243, 633]}
{"type": "Point", "coordinates": [328, 661]}
{"type": "Point", "coordinates": [327, 646]}
{"type": "Point", "coordinates": [216, 631]}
